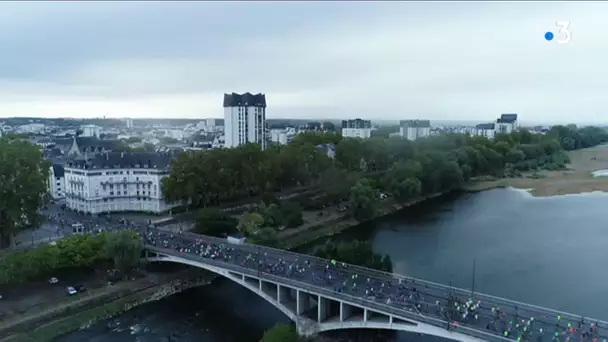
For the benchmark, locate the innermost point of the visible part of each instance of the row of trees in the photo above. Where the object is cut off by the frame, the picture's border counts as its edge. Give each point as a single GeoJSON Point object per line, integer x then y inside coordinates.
{"type": "Point", "coordinates": [121, 249]}
{"type": "Point", "coordinates": [407, 169]}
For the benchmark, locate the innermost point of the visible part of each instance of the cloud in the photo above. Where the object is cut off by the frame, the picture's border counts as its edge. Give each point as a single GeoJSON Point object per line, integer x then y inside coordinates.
{"type": "Point", "coordinates": [441, 61]}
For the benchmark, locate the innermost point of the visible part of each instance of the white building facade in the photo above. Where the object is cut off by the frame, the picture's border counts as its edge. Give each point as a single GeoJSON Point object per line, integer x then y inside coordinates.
{"type": "Point", "coordinates": [115, 182]}
{"type": "Point", "coordinates": [90, 131]}
{"type": "Point", "coordinates": [244, 119]}
{"type": "Point", "coordinates": [507, 123]}
{"type": "Point", "coordinates": [414, 129]}
{"type": "Point", "coordinates": [487, 130]}
{"type": "Point", "coordinates": [57, 182]}
{"type": "Point", "coordinates": [357, 128]}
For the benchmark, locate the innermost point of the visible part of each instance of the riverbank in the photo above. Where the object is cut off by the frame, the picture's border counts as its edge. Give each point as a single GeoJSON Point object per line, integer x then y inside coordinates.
{"type": "Point", "coordinates": [307, 235]}
{"type": "Point", "coordinates": [96, 305]}
{"type": "Point", "coordinates": [578, 177]}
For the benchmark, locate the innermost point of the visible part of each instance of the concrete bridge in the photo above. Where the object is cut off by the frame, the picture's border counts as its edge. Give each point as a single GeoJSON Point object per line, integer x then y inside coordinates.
{"type": "Point", "coordinates": [321, 295]}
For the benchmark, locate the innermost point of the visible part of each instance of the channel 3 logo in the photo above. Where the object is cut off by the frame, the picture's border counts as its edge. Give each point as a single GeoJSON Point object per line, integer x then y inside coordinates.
{"type": "Point", "coordinates": [565, 35]}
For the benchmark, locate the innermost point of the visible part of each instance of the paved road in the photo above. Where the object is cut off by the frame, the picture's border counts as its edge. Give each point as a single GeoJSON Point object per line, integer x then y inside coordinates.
{"type": "Point", "coordinates": [448, 307]}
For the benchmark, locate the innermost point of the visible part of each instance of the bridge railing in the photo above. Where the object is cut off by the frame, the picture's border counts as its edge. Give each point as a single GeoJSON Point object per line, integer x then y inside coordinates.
{"type": "Point", "coordinates": [338, 296]}
{"type": "Point", "coordinates": [535, 310]}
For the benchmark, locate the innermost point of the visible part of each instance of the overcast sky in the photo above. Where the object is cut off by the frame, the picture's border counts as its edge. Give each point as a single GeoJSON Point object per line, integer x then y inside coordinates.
{"type": "Point", "coordinates": [439, 61]}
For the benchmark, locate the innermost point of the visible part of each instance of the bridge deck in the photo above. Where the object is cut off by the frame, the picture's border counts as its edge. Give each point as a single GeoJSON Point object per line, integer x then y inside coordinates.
{"type": "Point", "coordinates": [444, 306]}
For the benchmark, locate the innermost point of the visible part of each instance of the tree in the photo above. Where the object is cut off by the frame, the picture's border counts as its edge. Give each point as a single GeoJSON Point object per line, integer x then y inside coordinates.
{"type": "Point", "coordinates": [363, 200]}
{"type": "Point", "coordinates": [281, 332]}
{"type": "Point", "coordinates": [355, 252]}
{"type": "Point", "coordinates": [407, 189]}
{"type": "Point", "coordinates": [124, 248]}
{"type": "Point", "coordinates": [23, 184]}
{"type": "Point", "coordinates": [215, 222]}
{"type": "Point", "coordinates": [329, 126]}
{"type": "Point", "coordinates": [250, 223]}
{"type": "Point", "coordinates": [266, 236]}
{"type": "Point", "coordinates": [292, 214]}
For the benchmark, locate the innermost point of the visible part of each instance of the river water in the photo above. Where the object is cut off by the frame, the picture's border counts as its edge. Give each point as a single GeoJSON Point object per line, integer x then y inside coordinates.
{"type": "Point", "coordinates": [544, 251]}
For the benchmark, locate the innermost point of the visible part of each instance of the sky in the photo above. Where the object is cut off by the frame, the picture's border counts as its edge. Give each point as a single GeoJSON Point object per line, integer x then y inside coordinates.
{"type": "Point", "coordinates": [372, 60]}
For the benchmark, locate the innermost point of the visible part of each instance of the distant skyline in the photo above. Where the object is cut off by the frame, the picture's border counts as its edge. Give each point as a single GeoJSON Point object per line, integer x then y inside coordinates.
{"type": "Point", "coordinates": [376, 60]}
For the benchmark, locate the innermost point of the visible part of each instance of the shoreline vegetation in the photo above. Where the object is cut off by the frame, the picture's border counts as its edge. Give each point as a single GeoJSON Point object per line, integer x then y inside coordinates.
{"type": "Point", "coordinates": [577, 178]}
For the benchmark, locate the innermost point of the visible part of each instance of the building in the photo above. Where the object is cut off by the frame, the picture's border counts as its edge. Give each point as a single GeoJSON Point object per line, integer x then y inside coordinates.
{"type": "Point", "coordinates": [90, 131]}
{"type": "Point", "coordinates": [507, 123]}
{"type": "Point", "coordinates": [57, 182]}
{"type": "Point", "coordinates": [414, 129]}
{"type": "Point", "coordinates": [327, 149]}
{"type": "Point", "coordinates": [487, 130]}
{"type": "Point", "coordinates": [129, 123]}
{"type": "Point", "coordinates": [244, 119]}
{"type": "Point", "coordinates": [117, 181]}
{"type": "Point", "coordinates": [90, 146]}
{"type": "Point", "coordinates": [279, 136]}
{"type": "Point", "coordinates": [356, 128]}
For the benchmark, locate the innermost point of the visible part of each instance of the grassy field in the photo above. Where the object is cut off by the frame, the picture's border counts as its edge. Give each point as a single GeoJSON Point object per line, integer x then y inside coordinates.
{"type": "Point", "coordinates": [577, 179]}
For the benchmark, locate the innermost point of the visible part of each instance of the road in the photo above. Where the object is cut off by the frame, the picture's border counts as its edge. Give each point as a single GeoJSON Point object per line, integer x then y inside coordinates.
{"type": "Point", "coordinates": [457, 308]}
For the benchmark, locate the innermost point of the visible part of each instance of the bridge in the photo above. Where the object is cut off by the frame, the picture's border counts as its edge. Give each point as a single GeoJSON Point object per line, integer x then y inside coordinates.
{"type": "Point", "coordinates": [321, 295]}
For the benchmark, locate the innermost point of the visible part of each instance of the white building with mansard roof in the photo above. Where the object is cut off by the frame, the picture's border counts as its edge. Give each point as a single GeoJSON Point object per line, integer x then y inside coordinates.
{"type": "Point", "coordinates": [116, 181]}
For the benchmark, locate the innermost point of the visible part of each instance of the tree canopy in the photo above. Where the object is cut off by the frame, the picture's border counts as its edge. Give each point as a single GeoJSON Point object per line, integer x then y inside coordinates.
{"type": "Point", "coordinates": [74, 252]}
{"type": "Point", "coordinates": [356, 253]}
{"type": "Point", "coordinates": [405, 169]}
{"type": "Point", "coordinates": [124, 248]}
{"type": "Point", "coordinates": [23, 184]}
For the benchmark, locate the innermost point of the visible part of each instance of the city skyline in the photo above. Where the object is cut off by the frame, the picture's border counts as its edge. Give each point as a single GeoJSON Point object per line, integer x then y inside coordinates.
{"type": "Point", "coordinates": [377, 61]}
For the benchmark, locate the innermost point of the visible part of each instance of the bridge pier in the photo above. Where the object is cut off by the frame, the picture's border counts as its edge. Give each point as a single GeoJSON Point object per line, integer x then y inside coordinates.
{"type": "Point", "coordinates": [282, 294]}
{"type": "Point", "coordinates": [322, 309]}
{"type": "Point", "coordinates": [346, 311]}
{"type": "Point", "coordinates": [302, 302]}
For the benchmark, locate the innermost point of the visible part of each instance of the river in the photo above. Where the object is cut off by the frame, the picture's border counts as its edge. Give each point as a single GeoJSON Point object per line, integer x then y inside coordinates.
{"type": "Point", "coordinates": [544, 251]}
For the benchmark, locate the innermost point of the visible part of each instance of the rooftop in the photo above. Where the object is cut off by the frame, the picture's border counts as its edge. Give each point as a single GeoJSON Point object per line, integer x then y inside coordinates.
{"type": "Point", "coordinates": [125, 160]}
{"type": "Point", "coordinates": [245, 100]}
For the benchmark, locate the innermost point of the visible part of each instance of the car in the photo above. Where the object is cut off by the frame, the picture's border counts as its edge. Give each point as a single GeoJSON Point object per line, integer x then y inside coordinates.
{"type": "Point", "coordinates": [53, 280]}
{"type": "Point", "coordinates": [1, 296]}
{"type": "Point", "coordinates": [81, 288]}
{"type": "Point", "coordinates": [71, 291]}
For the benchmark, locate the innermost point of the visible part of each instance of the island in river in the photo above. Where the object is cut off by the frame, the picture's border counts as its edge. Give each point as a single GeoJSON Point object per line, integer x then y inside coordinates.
{"type": "Point", "coordinates": [578, 178]}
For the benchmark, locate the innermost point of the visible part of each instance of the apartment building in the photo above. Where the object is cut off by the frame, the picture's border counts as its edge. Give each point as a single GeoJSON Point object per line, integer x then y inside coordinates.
{"type": "Point", "coordinates": [356, 128]}
{"type": "Point", "coordinates": [244, 119]}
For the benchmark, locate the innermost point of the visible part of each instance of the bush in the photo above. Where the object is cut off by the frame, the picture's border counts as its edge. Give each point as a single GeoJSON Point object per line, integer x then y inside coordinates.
{"type": "Point", "coordinates": [281, 333]}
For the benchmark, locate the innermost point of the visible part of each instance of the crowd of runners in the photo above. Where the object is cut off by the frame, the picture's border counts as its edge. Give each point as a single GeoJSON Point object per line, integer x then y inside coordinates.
{"type": "Point", "coordinates": [457, 309]}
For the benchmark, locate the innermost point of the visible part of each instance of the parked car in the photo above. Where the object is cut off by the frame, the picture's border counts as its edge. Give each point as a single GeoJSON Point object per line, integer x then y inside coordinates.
{"type": "Point", "coordinates": [71, 291]}
{"type": "Point", "coordinates": [81, 288]}
{"type": "Point", "coordinates": [53, 280]}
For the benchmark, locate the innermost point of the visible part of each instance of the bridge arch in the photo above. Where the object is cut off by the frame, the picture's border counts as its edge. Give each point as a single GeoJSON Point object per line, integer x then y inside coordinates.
{"type": "Point", "coordinates": [307, 326]}
{"type": "Point", "coordinates": [220, 271]}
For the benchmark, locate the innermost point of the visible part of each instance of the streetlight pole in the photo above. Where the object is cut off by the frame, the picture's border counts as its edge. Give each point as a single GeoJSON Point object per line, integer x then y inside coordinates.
{"type": "Point", "coordinates": [473, 278]}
